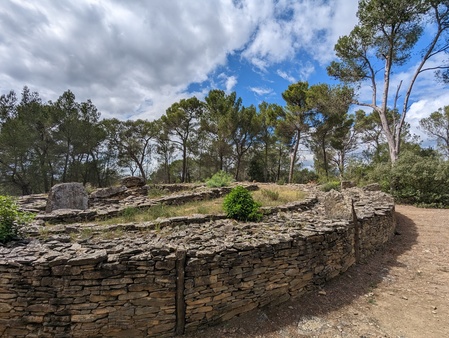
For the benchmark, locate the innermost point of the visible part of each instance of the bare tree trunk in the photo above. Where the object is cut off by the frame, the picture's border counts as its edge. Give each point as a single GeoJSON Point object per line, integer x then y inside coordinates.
{"type": "Point", "coordinates": [293, 157]}
{"type": "Point", "coordinates": [184, 164]}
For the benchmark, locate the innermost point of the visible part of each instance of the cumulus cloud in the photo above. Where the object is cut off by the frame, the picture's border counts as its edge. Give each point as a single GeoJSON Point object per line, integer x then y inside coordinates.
{"type": "Point", "coordinates": [136, 58]}
{"type": "Point", "coordinates": [120, 54]}
{"type": "Point", "coordinates": [309, 27]}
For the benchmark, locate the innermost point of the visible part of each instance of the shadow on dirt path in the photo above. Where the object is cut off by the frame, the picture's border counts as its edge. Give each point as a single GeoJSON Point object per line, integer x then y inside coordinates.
{"type": "Point", "coordinates": [303, 317]}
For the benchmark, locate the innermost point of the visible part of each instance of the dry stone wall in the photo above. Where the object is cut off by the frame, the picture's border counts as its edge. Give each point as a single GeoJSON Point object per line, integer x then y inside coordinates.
{"type": "Point", "coordinates": [158, 283]}
{"type": "Point", "coordinates": [113, 201]}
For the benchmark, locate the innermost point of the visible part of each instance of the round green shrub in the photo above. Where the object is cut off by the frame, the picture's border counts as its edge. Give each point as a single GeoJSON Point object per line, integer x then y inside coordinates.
{"type": "Point", "coordinates": [240, 205]}
{"type": "Point", "coordinates": [11, 218]}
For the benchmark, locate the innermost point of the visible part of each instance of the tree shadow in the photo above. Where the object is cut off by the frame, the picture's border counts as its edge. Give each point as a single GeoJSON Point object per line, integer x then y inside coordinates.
{"type": "Point", "coordinates": [357, 281]}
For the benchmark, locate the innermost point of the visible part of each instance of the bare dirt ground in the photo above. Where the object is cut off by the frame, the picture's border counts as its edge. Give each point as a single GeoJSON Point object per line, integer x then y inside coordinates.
{"type": "Point", "coordinates": [401, 291]}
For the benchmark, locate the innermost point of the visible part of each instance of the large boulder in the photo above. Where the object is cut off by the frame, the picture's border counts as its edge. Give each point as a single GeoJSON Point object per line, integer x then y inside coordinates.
{"type": "Point", "coordinates": [67, 196]}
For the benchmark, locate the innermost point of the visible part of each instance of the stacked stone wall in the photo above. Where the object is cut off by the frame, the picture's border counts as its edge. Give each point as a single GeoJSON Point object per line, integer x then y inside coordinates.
{"type": "Point", "coordinates": [222, 285]}
{"type": "Point", "coordinates": [158, 283]}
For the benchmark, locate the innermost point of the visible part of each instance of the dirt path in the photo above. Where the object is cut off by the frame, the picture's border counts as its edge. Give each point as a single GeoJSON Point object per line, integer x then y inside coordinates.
{"type": "Point", "coordinates": [402, 291]}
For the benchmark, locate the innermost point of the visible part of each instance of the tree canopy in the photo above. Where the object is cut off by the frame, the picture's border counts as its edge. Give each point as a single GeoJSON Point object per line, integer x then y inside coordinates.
{"type": "Point", "coordinates": [383, 41]}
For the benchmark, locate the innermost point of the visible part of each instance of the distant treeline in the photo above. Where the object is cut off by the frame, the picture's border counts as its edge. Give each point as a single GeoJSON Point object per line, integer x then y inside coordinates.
{"type": "Point", "coordinates": [42, 144]}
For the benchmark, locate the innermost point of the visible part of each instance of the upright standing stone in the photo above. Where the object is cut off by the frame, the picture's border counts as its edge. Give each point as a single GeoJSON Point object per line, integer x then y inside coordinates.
{"type": "Point", "coordinates": [337, 206]}
{"type": "Point", "coordinates": [67, 196]}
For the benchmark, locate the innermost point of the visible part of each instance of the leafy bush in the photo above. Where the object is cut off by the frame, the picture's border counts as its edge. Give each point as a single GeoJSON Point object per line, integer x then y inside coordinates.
{"type": "Point", "coordinates": [415, 179]}
{"type": "Point", "coordinates": [381, 174]}
{"type": "Point", "coordinates": [220, 179]}
{"type": "Point", "coordinates": [240, 205]}
{"type": "Point", "coordinates": [421, 180]}
{"type": "Point", "coordinates": [11, 218]}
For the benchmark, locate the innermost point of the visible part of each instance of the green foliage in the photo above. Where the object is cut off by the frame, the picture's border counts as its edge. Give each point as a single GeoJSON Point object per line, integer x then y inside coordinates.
{"type": "Point", "coordinates": [270, 194]}
{"type": "Point", "coordinates": [437, 127]}
{"type": "Point", "coordinates": [304, 176]}
{"type": "Point", "coordinates": [281, 181]}
{"type": "Point", "coordinates": [240, 205]}
{"type": "Point", "coordinates": [11, 218]}
{"type": "Point", "coordinates": [46, 143]}
{"type": "Point", "coordinates": [220, 179]}
{"type": "Point", "coordinates": [421, 180]}
{"type": "Point", "coordinates": [380, 173]}
{"type": "Point", "coordinates": [415, 179]}
{"type": "Point", "coordinates": [328, 186]}
{"type": "Point", "coordinates": [256, 169]}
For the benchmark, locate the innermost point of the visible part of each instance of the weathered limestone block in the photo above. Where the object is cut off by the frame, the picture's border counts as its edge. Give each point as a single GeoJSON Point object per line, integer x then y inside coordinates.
{"type": "Point", "coordinates": [107, 192]}
{"type": "Point", "coordinates": [347, 184]}
{"type": "Point", "coordinates": [133, 182]}
{"type": "Point", "coordinates": [337, 205]}
{"type": "Point", "coordinates": [372, 187]}
{"type": "Point", "coordinates": [67, 196]}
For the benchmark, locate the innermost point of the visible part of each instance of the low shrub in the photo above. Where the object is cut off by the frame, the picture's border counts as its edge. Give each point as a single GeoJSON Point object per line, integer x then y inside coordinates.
{"type": "Point", "coordinates": [415, 179]}
{"type": "Point", "coordinates": [220, 179]}
{"type": "Point", "coordinates": [240, 205]}
{"type": "Point", "coordinates": [11, 218]}
{"type": "Point", "coordinates": [421, 180]}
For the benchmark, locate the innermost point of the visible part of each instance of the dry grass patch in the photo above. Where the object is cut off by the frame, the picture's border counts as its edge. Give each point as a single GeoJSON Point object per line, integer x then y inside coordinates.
{"type": "Point", "coordinates": [268, 197]}
{"type": "Point", "coordinates": [278, 195]}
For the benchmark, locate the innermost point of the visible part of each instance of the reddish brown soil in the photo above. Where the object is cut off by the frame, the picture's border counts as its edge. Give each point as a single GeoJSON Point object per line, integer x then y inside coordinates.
{"type": "Point", "coordinates": [401, 291]}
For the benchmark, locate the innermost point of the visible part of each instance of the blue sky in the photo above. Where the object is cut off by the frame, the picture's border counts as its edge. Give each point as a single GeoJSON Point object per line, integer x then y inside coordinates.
{"type": "Point", "coordinates": [133, 59]}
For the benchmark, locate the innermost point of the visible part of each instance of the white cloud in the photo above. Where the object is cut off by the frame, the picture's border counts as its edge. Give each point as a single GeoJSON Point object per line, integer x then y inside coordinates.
{"type": "Point", "coordinates": [422, 109]}
{"type": "Point", "coordinates": [118, 53]}
{"type": "Point", "coordinates": [230, 83]}
{"type": "Point", "coordinates": [312, 27]}
{"type": "Point", "coordinates": [305, 70]}
{"type": "Point", "coordinates": [135, 58]}
{"type": "Point", "coordinates": [261, 91]}
{"type": "Point", "coordinates": [286, 76]}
